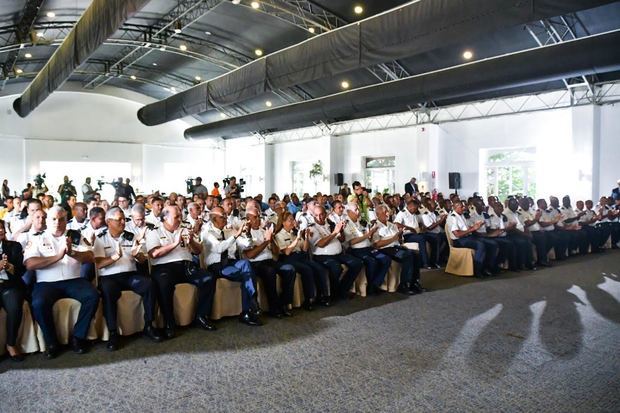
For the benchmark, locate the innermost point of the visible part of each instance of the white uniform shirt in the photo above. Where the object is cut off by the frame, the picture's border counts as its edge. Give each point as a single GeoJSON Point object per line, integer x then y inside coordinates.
{"type": "Point", "coordinates": [234, 222]}
{"type": "Point", "coordinates": [430, 218]}
{"type": "Point", "coordinates": [355, 230]}
{"type": "Point", "coordinates": [152, 219]}
{"type": "Point", "coordinates": [476, 217]}
{"type": "Point", "coordinates": [549, 215]}
{"type": "Point", "coordinates": [285, 238]}
{"type": "Point", "coordinates": [405, 217]}
{"type": "Point", "coordinates": [216, 242]}
{"type": "Point", "coordinates": [385, 231]}
{"type": "Point", "coordinates": [514, 217]}
{"type": "Point", "coordinates": [529, 215]}
{"type": "Point", "coordinates": [321, 231]}
{"type": "Point", "coordinates": [106, 246]}
{"type": "Point", "coordinates": [89, 234]}
{"type": "Point", "coordinates": [304, 219]}
{"type": "Point", "coordinates": [455, 222]}
{"type": "Point", "coordinates": [598, 209]}
{"type": "Point", "coordinates": [258, 237]}
{"type": "Point", "coordinates": [496, 222]}
{"type": "Point", "coordinates": [47, 245]}
{"type": "Point", "coordinates": [160, 237]}
{"type": "Point", "coordinates": [75, 225]}
{"type": "Point", "coordinates": [585, 218]}
{"type": "Point", "coordinates": [333, 217]}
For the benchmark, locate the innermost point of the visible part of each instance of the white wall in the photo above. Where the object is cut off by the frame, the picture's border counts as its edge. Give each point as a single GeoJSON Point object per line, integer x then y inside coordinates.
{"type": "Point", "coordinates": [245, 159]}
{"type": "Point", "coordinates": [12, 163]}
{"type": "Point", "coordinates": [609, 152]}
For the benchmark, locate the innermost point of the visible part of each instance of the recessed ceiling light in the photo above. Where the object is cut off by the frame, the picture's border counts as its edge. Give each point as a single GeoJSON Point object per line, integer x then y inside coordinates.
{"type": "Point", "coordinates": [173, 89]}
{"type": "Point", "coordinates": [258, 52]}
{"type": "Point", "coordinates": [40, 34]}
{"type": "Point", "coordinates": [236, 1]}
{"type": "Point", "coordinates": [183, 47]}
{"type": "Point", "coordinates": [51, 14]}
{"type": "Point", "coordinates": [358, 9]}
{"type": "Point", "coordinates": [198, 78]}
{"type": "Point", "coordinates": [255, 5]}
{"type": "Point", "coordinates": [133, 77]}
{"type": "Point", "coordinates": [468, 54]}
{"type": "Point", "coordinates": [19, 71]}
{"type": "Point", "coordinates": [223, 115]}
{"type": "Point", "coordinates": [344, 84]}
{"type": "Point", "coordinates": [268, 104]}
{"type": "Point", "coordinates": [162, 48]}
{"type": "Point", "coordinates": [208, 33]}
{"type": "Point", "coordinates": [28, 55]}
{"type": "Point", "coordinates": [154, 64]}
{"type": "Point", "coordinates": [177, 30]}
{"type": "Point", "coordinates": [311, 29]}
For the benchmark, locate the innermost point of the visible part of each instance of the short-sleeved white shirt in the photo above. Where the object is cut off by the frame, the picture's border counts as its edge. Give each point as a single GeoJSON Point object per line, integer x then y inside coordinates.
{"type": "Point", "coordinates": [285, 238]}
{"type": "Point", "coordinates": [355, 230]}
{"type": "Point", "coordinates": [408, 219]}
{"type": "Point", "coordinates": [455, 222]}
{"type": "Point", "coordinates": [258, 237]}
{"type": "Point", "coordinates": [386, 231]}
{"type": "Point", "coordinates": [321, 231]}
{"type": "Point", "coordinates": [47, 245]}
{"type": "Point", "coordinates": [106, 246]}
{"type": "Point", "coordinates": [160, 237]}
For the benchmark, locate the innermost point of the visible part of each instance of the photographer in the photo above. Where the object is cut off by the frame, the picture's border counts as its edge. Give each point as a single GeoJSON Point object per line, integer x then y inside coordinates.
{"type": "Point", "coordinates": [198, 188]}
{"type": "Point", "coordinates": [231, 188]}
{"type": "Point", "coordinates": [66, 190]}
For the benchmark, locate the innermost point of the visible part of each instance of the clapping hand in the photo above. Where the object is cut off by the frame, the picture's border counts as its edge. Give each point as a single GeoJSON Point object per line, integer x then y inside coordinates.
{"type": "Point", "coordinates": [269, 233]}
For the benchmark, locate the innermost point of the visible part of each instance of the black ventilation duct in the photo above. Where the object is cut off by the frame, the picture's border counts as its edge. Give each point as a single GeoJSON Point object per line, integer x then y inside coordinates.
{"type": "Point", "coordinates": [97, 24]}
{"type": "Point", "coordinates": [408, 30]}
{"type": "Point", "coordinates": [585, 56]}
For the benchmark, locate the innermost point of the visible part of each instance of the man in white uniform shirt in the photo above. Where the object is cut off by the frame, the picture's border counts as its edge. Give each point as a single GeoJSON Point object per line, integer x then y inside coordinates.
{"type": "Point", "coordinates": [359, 237]}
{"type": "Point", "coordinates": [139, 227]}
{"type": "Point", "coordinates": [80, 216]}
{"type": "Point", "coordinates": [123, 204]}
{"type": "Point", "coordinates": [588, 220]}
{"type": "Point", "coordinates": [170, 249]}
{"type": "Point", "coordinates": [515, 232]}
{"type": "Point", "coordinates": [220, 260]}
{"type": "Point", "coordinates": [154, 217]}
{"type": "Point", "coordinates": [21, 224]}
{"type": "Point", "coordinates": [410, 221]}
{"type": "Point", "coordinates": [387, 240]}
{"type": "Point", "coordinates": [57, 264]}
{"type": "Point", "coordinates": [38, 226]}
{"type": "Point", "coordinates": [328, 252]}
{"type": "Point", "coordinates": [256, 247]}
{"type": "Point", "coordinates": [116, 252]}
{"type": "Point", "coordinates": [434, 224]}
{"type": "Point", "coordinates": [461, 235]}
{"type": "Point", "coordinates": [548, 220]}
{"type": "Point", "coordinates": [89, 231]}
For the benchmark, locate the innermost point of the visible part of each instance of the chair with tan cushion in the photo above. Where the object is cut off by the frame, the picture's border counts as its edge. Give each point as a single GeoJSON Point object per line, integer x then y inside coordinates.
{"type": "Point", "coordinates": [460, 260]}
{"type": "Point", "coordinates": [185, 302]}
{"type": "Point", "coordinates": [227, 300]}
{"type": "Point", "coordinates": [26, 337]}
{"type": "Point", "coordinates": [66, 312]}
{"type": "Point", "coordinates": [130, 315]}
{"type": "Point", "coordinates": [392, 279]}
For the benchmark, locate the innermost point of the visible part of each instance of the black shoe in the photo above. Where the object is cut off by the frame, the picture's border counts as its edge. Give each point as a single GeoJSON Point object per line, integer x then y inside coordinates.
{"type": "Point", "coordinates": [308, 305]}
{"type": "Point", "coordinates": [418, 288]}
{"type": "Point", "coordinates": [113, 342]}
{"type": "Point", "coordinates": [255, 308]}
{"type": "Point", "coordinates": [286, 312]}
{"type": "Point", "coordinates": [544, 264]}
{"type": "Point", "coordinates": [78, 345]}
{"type": "Point", "coordinates": [153, 333]}
{"type": "Point", "coordinates": [169, 331]}
{"type": "Point", "coordinates": [487, 273]}
{"type": "Point", "coordinates": [404, 289]}
{"type": "Point", "coordinates": [250, 319]}
{"type": "Point", "coordinates": [205, 323]}
{"type": "Point", "coordinates": [325, 302]}
{"type": "Point", "coordinates": [51, 351]}
{"type": "Point", "coordinates": [275, 314]}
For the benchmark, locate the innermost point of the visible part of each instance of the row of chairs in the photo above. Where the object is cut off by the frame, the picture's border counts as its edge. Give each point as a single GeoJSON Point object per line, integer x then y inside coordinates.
{"type": "Point", "coordinates": [227, 303]}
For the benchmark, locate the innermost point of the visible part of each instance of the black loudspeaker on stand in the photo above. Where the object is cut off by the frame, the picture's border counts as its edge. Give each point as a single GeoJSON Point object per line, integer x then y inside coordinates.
{"type": "Point", "coordinates": [339, 178]}
{"type": "Point", "coordinates": [454, 181]}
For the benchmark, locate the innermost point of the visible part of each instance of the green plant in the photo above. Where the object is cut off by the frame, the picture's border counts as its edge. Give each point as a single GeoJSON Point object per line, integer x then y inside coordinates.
{"type": "Point", "coordinates": [316, 173]}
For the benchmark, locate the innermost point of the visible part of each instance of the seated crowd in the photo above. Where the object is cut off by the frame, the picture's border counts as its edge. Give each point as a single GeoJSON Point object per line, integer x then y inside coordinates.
{"type": "Point", "coordinates": [94, 250]}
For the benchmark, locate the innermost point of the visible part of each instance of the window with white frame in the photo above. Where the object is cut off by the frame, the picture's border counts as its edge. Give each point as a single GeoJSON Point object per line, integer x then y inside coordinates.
{"type": "Point", "coordinates": [509, 171]}
{"type": "Point", "coordinates": [380, 173]}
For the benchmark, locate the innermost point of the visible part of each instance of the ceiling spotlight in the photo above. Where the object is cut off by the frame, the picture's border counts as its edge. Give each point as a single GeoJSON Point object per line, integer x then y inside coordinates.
{"type": "Point", "coordinates": [51, 14]}
{"type": "Point", "coordinates": [154, 64]}
{"type": "Point", "coordinates": [268, 104]}
{"type": "Point", "coordinates": [208, 33]}
{"type": "Point", "coordinates": [183, 47]}
{"type": "Point", "coordinates": [311, 29]}
{"type": "Point", "coordinates": [27, 55]}
{"type": "Point", "coordinates": [19, 71]}
{"type": "Point", "coordinates": [358, 9]}
{"type": "Point", "coordinates": [40, 34]}
{"type": "Point", "coordinates": [133, 77]}
{"type": "Point", "coordinates": [198, 78]}
{"type": "Point", "coordinates": [258, 52]}
{"type": "Point", "coordinates": [162, 48]}
{"type": "Point", "coordinates": [223, 115]}
{"type": "Point", "coordinates": [177, 27]}
{"type": "Point", "coordinates": [173, 89]}
{"type": "Point", "coordinates": [467, 54]}
{"type": "Point", "coordinates": [255, 5]}
{"type": "Point", "coordinates": [236, 1]}
{"type": "Point", "coordinates": [345, 85]}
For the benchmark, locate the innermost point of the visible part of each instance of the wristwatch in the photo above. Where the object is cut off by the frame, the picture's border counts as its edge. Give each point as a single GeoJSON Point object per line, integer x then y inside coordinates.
{"type": "Point", "coordinates": [116, 256]}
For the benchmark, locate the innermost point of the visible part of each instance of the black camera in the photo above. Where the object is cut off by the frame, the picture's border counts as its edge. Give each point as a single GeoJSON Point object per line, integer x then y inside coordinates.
{"type": "Point", "coordinates": [75, 236]}
{"type": "Point", "coordinates": [39, 180]}
{"type": "Point", "coordinates": [189, 183]}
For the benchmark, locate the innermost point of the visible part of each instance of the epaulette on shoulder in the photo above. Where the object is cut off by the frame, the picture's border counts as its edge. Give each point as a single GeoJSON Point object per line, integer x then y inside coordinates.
{"type": "Point", "coordinates": [36, 234]}
{"type": "Point", "coordinates": [102, 233]}
{"type": "Point", "coordinates": [83, 227]}
{"type": "Point", "coordinates": [128, 235]}
{"type": "Point", "coordinates": [486, 215]}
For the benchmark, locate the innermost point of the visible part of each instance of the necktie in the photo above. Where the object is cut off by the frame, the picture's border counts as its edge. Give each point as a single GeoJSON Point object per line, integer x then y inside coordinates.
{"type": "Point", "coordinates": [224, 256]}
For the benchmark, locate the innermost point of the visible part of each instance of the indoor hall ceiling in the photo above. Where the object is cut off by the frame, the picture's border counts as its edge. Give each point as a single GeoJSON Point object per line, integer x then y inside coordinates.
{"type": "Point", "coordinates": [222, 38]}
